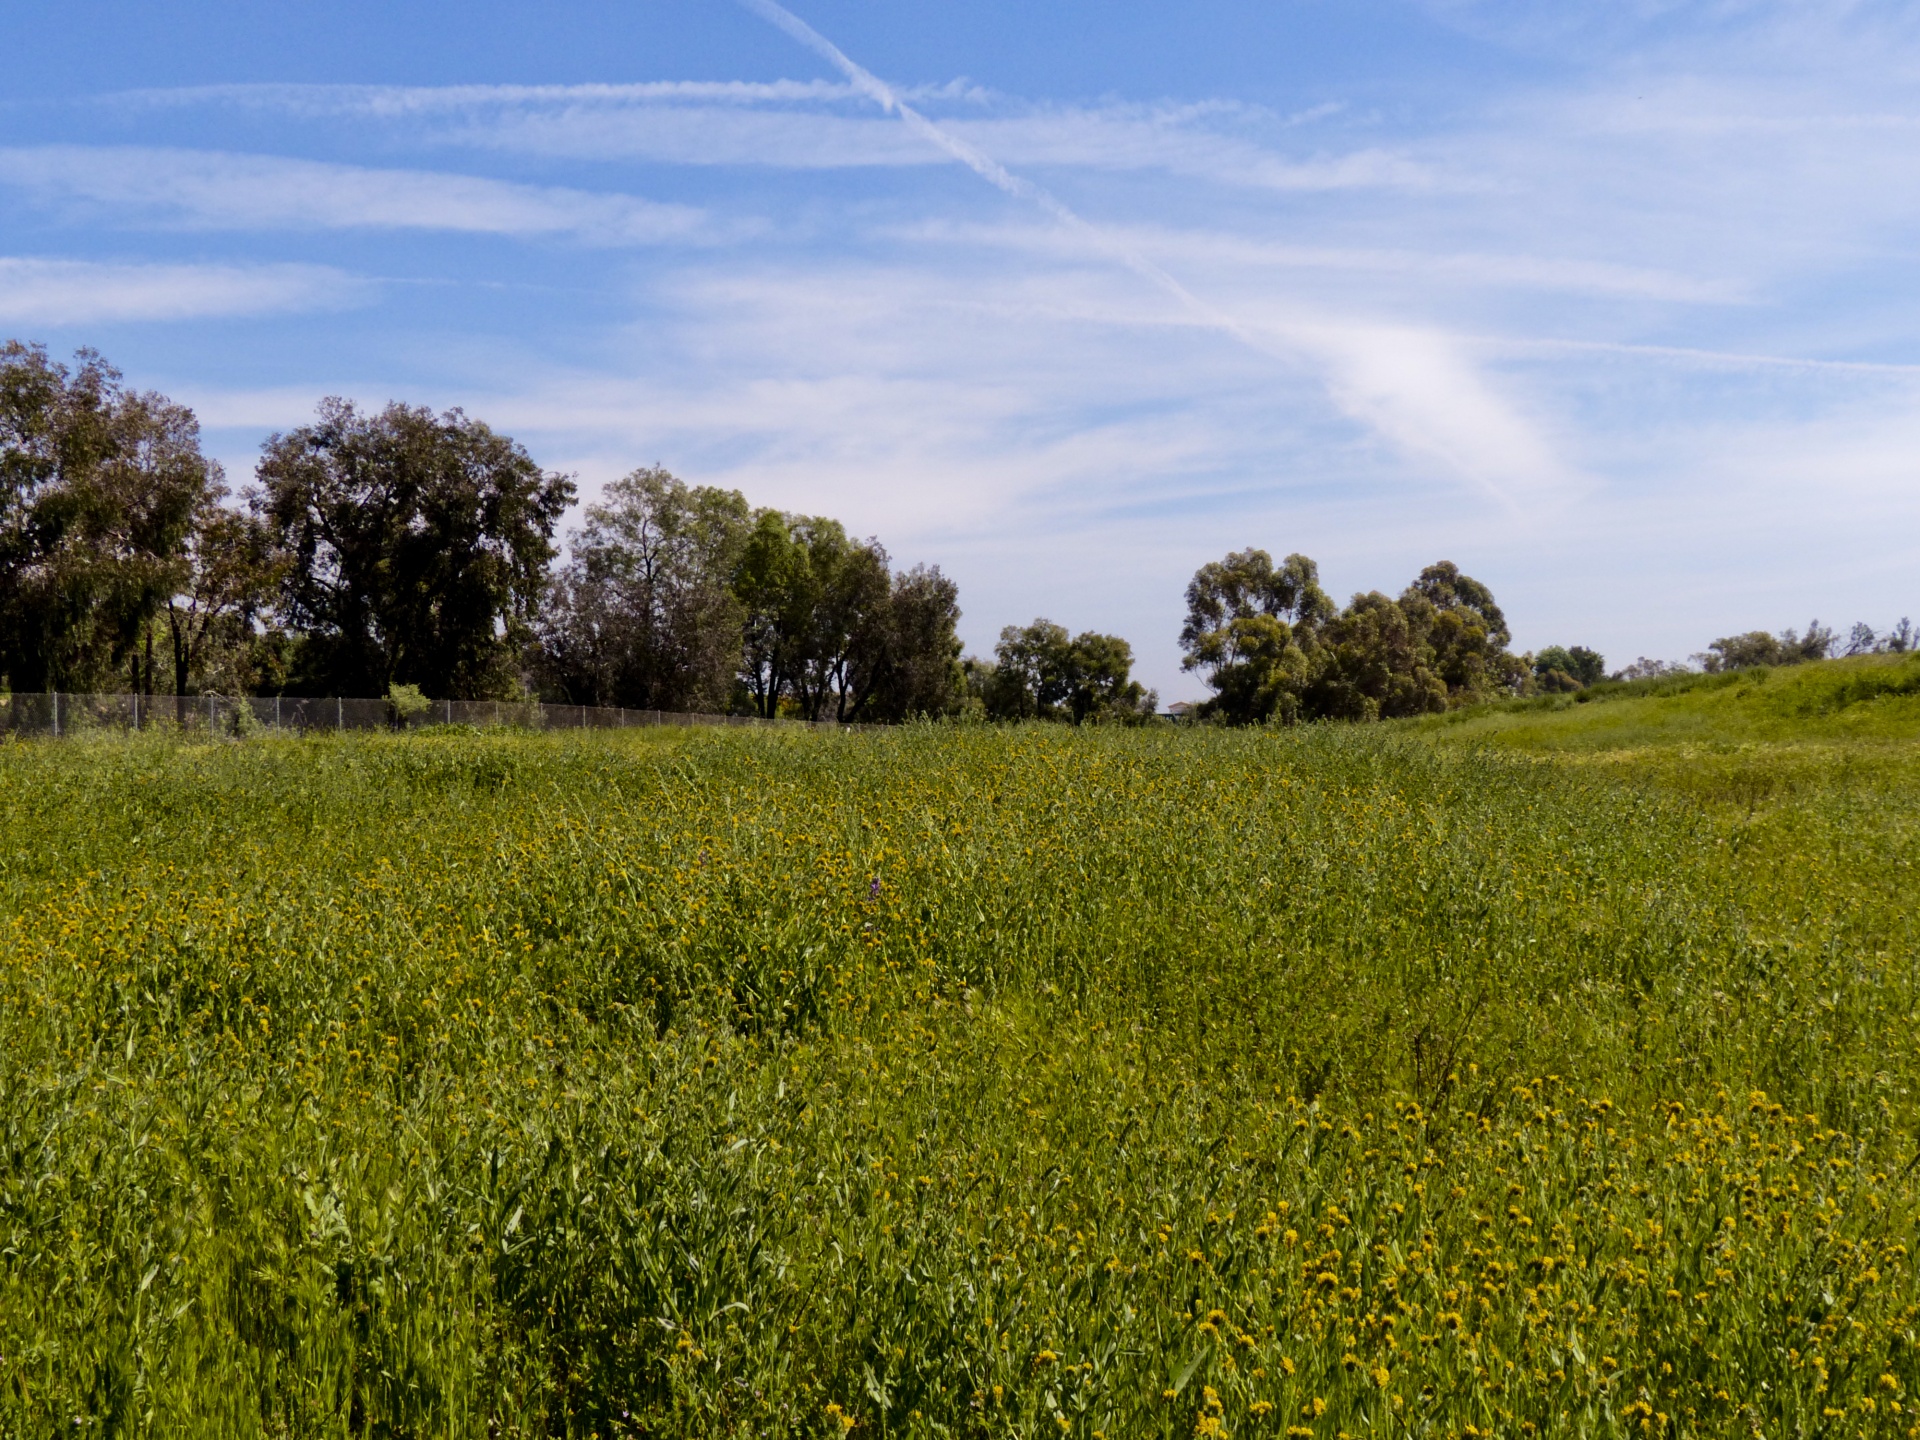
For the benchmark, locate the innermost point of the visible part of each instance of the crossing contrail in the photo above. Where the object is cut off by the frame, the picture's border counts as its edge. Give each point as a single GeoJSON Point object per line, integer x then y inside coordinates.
{"type": "Point", "coordinates": [1408, 387]}
{"type": "Point", "coordinates": [997, 175]}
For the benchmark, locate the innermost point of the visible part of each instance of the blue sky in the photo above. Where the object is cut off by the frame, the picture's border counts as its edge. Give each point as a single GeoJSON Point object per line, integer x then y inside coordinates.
{"type": "Point", "coordinates": [1613, 304]}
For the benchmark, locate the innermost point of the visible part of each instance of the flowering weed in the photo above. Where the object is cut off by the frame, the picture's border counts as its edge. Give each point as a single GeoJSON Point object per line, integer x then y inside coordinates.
{"type": "Point", "coordinates": [951, 1082]}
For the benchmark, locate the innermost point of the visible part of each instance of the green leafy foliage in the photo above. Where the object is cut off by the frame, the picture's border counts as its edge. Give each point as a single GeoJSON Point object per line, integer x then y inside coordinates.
{"type": "Point", "coordinates": [406, 704]}
{"type": "Point", "coordinates": [221, 632]}
{"type": "Point", "coordinates": [1040, 673]}
{"type": "Point", "coordinates": [1251, 629]}
{"type": "Point", "coordinates": [99, 489]}
{"type": "Point", "coordinates": [1757, 647]}
{"type": "Point", "coordinates": [826, 631]}
{"type": "Point", "coordinates": [1273, 648]}
{"type": "Point", "coordinates": [1558, 669]}
{"type": "Point", "coordinates": [644, 614]}
{"type": "Point", "coordinates": [416, 549]}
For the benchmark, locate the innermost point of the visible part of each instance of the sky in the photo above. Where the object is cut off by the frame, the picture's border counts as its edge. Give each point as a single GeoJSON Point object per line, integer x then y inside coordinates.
{"type": "Point", "coordinates": [1612, 304]}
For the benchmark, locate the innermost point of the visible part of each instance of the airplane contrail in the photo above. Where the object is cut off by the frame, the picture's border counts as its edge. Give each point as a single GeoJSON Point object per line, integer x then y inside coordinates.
{"type": "Point", "coordinates": [1363, 390]}
{"type": "Point", "coordinates": [996, 174]}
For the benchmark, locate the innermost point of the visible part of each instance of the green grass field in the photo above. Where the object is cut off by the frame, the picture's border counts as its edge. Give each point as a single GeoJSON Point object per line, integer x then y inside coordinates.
{"type": "Point", "coordinates": [1542, 1071]}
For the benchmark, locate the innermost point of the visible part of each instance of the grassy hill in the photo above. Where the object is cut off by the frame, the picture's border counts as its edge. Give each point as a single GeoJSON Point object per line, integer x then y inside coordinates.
{"type": "Point", "coordinates": [1866, 701]}
{"type": "Point", "coordinates": [1546, 1070]}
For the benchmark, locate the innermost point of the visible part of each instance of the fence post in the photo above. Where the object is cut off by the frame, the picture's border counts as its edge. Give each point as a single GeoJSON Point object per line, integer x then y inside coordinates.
{"type": "Point", "coordinates": [449, 711]}
{"type": "Point", "coordinates": [136, 712]}
{"type": "Point", "coordinates": [276, 712]}
{"type": "Point", "coordinates": [339, 714]}
{"type": "Point", "coordinates": [56, 714]}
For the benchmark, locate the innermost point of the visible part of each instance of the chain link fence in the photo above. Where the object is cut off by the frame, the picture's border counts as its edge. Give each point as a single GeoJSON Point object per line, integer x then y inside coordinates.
{"type": "Point", "coordinates": [61, 714]}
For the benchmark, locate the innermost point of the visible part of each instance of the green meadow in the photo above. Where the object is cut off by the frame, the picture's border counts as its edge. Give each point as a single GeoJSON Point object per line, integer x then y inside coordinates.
{"type": "Point", "coordinates": [1546, 1069]}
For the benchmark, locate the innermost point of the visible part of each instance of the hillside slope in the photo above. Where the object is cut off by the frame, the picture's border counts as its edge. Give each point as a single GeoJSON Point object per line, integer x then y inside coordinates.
{"type": "Point", "coordinates": [1869, 700]}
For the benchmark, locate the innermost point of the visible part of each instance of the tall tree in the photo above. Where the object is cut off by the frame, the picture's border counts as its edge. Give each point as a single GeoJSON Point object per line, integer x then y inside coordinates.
{"type": "Point", "coordinates": [1029, 679]}
{"type": "Point", "coordinates": [1374, 664]}
{"type": "Point", "coordinates": [908, 665]}
{"type": "Point", "coordinates": [840, 600]}
{"type": "Point", "coordinates": [1559, 667]}
{"type": "Point", "coordinates": [1270, 644]}
{"type": "Point", "coordinates": [98, 489]}
{"type": "Point", "coordinates": [1757, 647]}
{"type": "Point", "coordinates": [418, 548]}
{"type": "Point", "coordinates": [1465, 632]}
{"type": "Point", "coordinates": [1041, 674]}
{"type": "Point", "coordinates": [1250, 630]}
{"type": "Point", "coordinates": [1100, 683]}
{"type": "Point", "coordinates": [644, 614]}
{"type": "Point", "coordinates": [770, 583]}
{"type": "Point", "coordinates": [831, 633]}
{"type": "Point", "coordinates": [215, 639]}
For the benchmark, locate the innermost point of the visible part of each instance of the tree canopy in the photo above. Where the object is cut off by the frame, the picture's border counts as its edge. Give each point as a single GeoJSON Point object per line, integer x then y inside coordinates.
{"type": "Point", "coordinates": [1757, 647]}
{"type": "Point", "coordinates": [417, 549]}
{"type": "Point", "coordinates": [1039, 673]}
{"type": "Point", "coordinates": [644, 614]}
{"type": "Point", "coordinates": [680, 597]}
{"type": "Point", "coordinates": [1273, 648]}
{"type": "Point", "coordinates": [99, 487]}
{"type": "Point", "coordinates": [1250, 629]}
{"type": "Point", "coordinates": [1561, 667]}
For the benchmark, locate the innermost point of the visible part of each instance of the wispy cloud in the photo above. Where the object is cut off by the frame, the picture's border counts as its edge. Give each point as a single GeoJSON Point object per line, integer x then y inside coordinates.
{"type": "Point", "coordinates": [1242, 254]}
{"type": "Point", "coordinates": [53, 292]}
{"type": "Point", "coordinates": [387, 102]}
{"type": "Point", "coordinates": [816, 125]}
{"type": "Point", "coordinates": [1408, 383]}
{"type": "Point", "coordinates": [1626, 294]}
{"type": "Point", "coordinates": [1695, 358]}
{"type": "Point", "coordinates": [1115, 139]}
{"type": "Point", "coordinates": [1424, 391]}
{"type": "Point", "coordinates": [215, 190]}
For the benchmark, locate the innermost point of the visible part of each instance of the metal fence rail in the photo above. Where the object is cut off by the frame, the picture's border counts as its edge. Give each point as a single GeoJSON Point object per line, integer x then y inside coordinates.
{"type": "Point", "coordinates": [60, 714]}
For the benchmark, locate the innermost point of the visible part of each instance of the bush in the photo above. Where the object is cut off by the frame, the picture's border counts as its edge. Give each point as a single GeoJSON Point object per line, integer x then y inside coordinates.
{"type": "Point", "coordinates": [405, 705]}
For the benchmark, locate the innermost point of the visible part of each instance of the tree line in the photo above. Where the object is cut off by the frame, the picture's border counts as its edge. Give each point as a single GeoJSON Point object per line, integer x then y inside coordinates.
{"type": "Point", "coordinates": [408, 549]}
{"type": "Point", "coordinates": [404, 549]}
{"type": "Point", "coordinates": [1273, 647]}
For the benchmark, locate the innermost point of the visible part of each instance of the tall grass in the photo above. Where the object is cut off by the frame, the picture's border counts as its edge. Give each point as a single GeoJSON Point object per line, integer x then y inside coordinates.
{"type": "Point", "coordinates": [949, 1082]}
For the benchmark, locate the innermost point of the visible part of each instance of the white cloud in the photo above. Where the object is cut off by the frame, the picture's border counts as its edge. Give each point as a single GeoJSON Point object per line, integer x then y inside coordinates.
{"type": "Point", "coordinates": [268, 408]}
{"type": "Point", "coordinates": [1632, 341]}
{"type": "Point", "coordinates": [1695, 357]}
{"type": "Point", "coordinates": [1421, 390]}
{"type": "Point", "coordinates": [202, 189]}
{"type": "Point", "coordinates": [40, 291]}
{"type": "Point", "coordinates": [818, 125]}
{"type": "Point", "coordinates": [1115, 139]}
{"type": "Point", "coordinates": [401, 101]}
{"type": "Point", "coordinates": [1240, 254]}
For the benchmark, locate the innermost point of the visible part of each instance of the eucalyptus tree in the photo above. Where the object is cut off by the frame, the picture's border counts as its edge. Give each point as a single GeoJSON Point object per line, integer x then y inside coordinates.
{"type": "Point", "coordinates": [644, 614]}
{"type": "Point", "coordinates": [1251, 629]}
{"type": "Point", "coordinates": [99, 488]}
{"type": "Point", "coordinates": [1274, 649]}
{"type": "Point", "coordinates": [1040, 673]}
